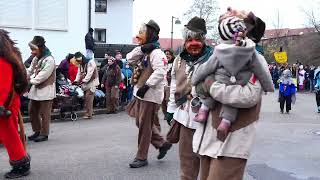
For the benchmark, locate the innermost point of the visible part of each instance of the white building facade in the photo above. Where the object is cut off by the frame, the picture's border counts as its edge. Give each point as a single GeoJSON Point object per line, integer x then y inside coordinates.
{"type": "Point", "coordinates": [64, 23]}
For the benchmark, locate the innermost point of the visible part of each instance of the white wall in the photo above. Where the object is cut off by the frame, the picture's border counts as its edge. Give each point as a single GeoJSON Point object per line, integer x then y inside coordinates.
{"type": "Point", "coordinates": [59, 42]}
{"type": "Point", "coordinates": [117, 21]}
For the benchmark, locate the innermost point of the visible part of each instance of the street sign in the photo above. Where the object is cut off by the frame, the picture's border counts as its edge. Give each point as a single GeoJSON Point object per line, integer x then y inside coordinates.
{"type": "Point", "coordinates": [281, 57]}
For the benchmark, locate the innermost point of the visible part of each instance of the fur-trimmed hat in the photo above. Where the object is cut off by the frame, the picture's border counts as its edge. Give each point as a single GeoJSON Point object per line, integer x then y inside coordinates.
{"type": "Point", "coordinates": [152, 24]}
{"type": "Point", "coordinates": [37, 42]}
{"type": "Point", "coordinates": [197, 24]}
{"type": "Point", "coordinates": [229, 26]}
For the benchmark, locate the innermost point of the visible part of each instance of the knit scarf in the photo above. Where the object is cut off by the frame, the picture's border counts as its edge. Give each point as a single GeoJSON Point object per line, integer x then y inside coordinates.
{"type": "Point", "coordinates": [191, 61]}
{"type": "Point", "coordinates": [156, 43]}
{"type": "Point", "coordinates": [207, 51]}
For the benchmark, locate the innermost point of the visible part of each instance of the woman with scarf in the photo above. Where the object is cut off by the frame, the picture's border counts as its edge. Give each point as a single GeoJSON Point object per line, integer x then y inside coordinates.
{"type": "Point", "coordinates": [13, 80]}
{"type": "Point", "coordinates": [287, 91]}
{"type": "Point", "coordinates": [110, 81]}
{"type": "Point", "coordinates": [42, 77]}
{"type": "Point", "coordinates": [88, 78]}
{"type": "Point", "coordinates": [149, 64]}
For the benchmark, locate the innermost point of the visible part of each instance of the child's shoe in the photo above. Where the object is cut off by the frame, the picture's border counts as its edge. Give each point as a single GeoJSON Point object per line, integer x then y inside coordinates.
{"type": "Point", "coordinates": [223, 130]}
{"type": "Point", "coordinates": [202, 115]}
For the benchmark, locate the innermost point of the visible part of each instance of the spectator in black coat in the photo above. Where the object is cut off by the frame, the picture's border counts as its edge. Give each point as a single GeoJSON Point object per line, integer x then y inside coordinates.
{"type": "Point", "coordinates": [90, 47]}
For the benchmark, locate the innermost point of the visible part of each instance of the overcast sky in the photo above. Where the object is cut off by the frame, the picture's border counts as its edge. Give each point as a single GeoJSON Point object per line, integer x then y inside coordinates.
{"type": "Point", "coordinates": [291, 14]}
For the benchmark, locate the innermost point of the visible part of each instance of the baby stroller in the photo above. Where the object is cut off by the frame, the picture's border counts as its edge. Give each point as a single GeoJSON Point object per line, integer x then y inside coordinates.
{"type": "Point", "coordinates": [67, 99]}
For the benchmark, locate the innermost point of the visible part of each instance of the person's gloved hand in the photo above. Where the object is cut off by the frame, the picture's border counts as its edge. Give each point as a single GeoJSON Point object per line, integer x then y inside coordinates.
{"type": "Point", "coordinates": [203, 88]}
{"type": "Point", "coordinates": [181, 100]}
{"type": "Point", "coordinates": [169, 117]}
{"type": "Point", "coordinates": [4, 112]}
{"type": "Point", "coordinates": [148, 48]}
{"type": "Point", "coordinates": [142, 91]}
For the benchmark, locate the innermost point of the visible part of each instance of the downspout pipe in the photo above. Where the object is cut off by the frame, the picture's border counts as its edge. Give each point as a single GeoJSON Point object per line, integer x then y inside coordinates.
{"type": "Point", "coordinates": [89, 15]}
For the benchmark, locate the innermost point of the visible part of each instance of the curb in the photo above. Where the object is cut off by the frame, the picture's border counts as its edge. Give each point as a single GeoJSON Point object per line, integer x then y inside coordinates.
{"type": "Point", "coordinates": [55, 117]}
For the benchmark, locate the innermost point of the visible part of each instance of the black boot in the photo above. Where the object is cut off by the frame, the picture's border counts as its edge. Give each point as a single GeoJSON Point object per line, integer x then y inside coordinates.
{"type": "Point", "coordinates": [164, 149]}
{"type": "Point", "coordinates": [33, 136]}
{"type": "Point", "coordinates": [20, 168]}
{"type": "Point", "coordinates": [41, 138]}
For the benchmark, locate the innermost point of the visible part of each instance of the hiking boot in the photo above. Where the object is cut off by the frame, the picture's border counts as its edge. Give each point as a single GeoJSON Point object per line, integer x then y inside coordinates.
{"type": "Point", "coordinates": [20, 168]}
{"type": "Point", "coordinates": [164, 149]}
{"type": "Point", "coordinates": [41, 138]}
{"type": "Point", "coordinates": [33, 136]}
{"type": "Point", "coordinates": [137, 163]}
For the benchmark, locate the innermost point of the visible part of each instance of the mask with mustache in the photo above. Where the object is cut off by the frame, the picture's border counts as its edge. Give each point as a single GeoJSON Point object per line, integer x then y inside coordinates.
{"type": "Point", "coordinates": [194, 46]}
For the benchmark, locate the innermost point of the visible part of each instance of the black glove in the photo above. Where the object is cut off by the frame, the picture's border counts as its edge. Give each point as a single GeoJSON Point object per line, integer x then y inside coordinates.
{"type": "Point", "coordinates": [4, 112]}
{"type": "Point", "coordinates": [182, 100]}
{"type": "Point", "coordinates": [169, 117]}
{"type": "Point", "coordinates": [148, 48]}
{"type": "Point", "coordinates": [142, 91]}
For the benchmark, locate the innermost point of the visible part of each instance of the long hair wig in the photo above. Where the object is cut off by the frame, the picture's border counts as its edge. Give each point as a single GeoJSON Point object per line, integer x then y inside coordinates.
{"type": "Point", "coordinates": [188, 34]}
{"type": "Point", "coordinates": [12, 55]}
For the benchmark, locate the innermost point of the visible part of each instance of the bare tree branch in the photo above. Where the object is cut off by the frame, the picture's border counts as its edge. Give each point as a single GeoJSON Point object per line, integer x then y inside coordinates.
{"type": "Point", "coordinates": [206, 9]}
{"type": "Point", "coordinates": [312, 19]}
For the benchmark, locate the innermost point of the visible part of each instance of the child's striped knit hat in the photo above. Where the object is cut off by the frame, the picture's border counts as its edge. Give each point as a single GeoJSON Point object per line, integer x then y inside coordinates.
{"type": "Point", "coordinates": [230, 26]}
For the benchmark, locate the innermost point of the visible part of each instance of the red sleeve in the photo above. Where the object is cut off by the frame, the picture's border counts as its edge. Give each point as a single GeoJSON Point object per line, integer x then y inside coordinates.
{"type": "Point", "coordinates": [6, 76]}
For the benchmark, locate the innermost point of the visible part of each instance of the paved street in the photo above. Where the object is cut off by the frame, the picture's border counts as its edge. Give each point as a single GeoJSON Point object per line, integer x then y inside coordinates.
{"type": "Point", "coordinates": [286, 148]}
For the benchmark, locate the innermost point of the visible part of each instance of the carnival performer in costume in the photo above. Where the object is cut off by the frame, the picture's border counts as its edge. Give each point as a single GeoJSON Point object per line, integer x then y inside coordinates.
{"type": "Point", "coordinates": [42, 77]}
{"type": "Point", "coordinates": [150, 65]}
{"type": "Point", "coordinates": [227, 160]}
{"type": "Point", "coordinates": [13, 80]}
{"type": "Point", "coordinates": [233, 62]}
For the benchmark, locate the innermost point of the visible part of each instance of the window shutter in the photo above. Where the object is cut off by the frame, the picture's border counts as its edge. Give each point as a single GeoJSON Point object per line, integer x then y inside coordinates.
{"type": "Point", "coordinates": [51, 14]}
{"type": "Point", "coordinates": [16, 13]}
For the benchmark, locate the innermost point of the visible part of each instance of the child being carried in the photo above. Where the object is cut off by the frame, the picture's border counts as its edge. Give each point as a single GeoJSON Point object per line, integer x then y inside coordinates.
{"type": "Point", "coordinates": [234, 62]}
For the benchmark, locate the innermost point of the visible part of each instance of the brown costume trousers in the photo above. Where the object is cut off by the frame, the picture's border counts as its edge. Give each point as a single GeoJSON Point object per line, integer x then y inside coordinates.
{"type": "Point", "coordinates": [40, 115]}
{"type": "Point", "coordinates": [112, 95]}
{"type": "Point", "coordinates": [165, 101]}
{"type": "Point", "coordinates": [222, 168]}
{"type": "Point", "coordinates": [88, 102]}
{"type": "Point", "coordinates": [189, 161]}
{"type": "Point", "coordinates": [148, 123]}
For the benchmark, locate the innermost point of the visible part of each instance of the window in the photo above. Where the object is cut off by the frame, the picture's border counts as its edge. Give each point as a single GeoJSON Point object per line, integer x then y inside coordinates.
{"type": "Point", "coordinates": [101, 6]}
{"type": "Point", "coordinates": [100, 35]}
{"type": "Point", "coordinates": [46, 16]}
{"type": "Point", "coordinates": [16, 14]}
